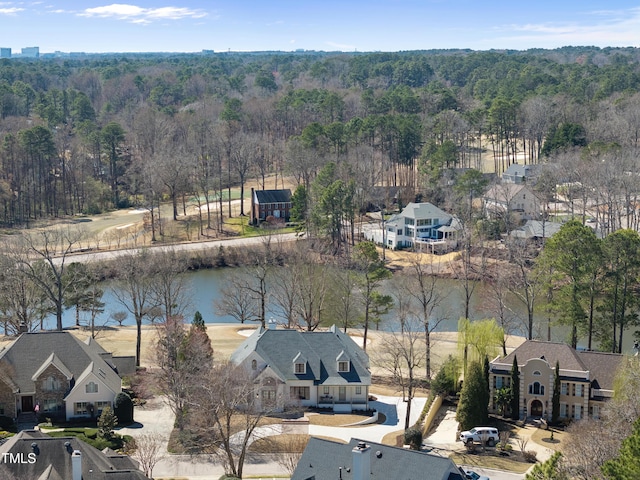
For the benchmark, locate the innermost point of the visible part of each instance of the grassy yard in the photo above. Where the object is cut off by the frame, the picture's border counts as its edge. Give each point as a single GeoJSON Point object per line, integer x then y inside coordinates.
{"type": "Point", "coordinates": [543, 437]}
{"type": "Point", "coordinates": [491, 461]}
{"type": "Point", "coordinates": [339, 420]}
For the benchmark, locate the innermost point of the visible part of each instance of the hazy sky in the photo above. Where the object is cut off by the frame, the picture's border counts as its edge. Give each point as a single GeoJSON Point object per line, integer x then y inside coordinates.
{"type": "Point", "coordinates": [330, 25]}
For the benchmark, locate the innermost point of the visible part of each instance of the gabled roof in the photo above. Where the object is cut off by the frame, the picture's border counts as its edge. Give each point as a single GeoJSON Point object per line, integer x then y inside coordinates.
{"type": "Point", "coordinates": [518, 170]}
{"type": "Point", "coordinates": [53, 461]}
{"type": "Point", "coordinates": [55, 361]}
{"type": "Point", "coordinates": [425, 210]}
{"type": "Point", "coordinates": [322, 459]}
{"type": "Point", "coordinates": [536, 229]}
{"type": "Point", "coordinates": [30, 351]}
{"type": "Point", "coordinates": [280, 348]}
{"type": "Point", "coordinates": [505, 192]}
{"type": "Point", "coordinates": [273, 196]}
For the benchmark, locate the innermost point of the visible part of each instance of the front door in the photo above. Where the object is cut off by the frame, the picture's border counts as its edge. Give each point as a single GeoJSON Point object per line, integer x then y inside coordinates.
{"type": "Point", "coordinates": [536, 408]}
{"type": "Point", "coordinates": [27, 404]}
{"type": "Point", "coordinates": [342, 394]}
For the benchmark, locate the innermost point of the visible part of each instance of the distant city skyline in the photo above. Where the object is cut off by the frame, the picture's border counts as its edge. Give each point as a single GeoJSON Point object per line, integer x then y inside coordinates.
{"type": "Point", "coordinates": [288, 25]}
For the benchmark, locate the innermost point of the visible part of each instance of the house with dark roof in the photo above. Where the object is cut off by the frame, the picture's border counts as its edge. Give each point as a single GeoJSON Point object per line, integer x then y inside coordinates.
{"type": "Point", "coordinates": [33, 455]}
{"type": "Point", "coordinates": [270, 203]}
{"type": "Point", "coordinates": [360, 460]}
{"type": "Point", "coordinates": [586, 379]}
{"type": "Point", "coordinates": [58, 375]}
{"type": "Point", "coordinates": [311, 369]}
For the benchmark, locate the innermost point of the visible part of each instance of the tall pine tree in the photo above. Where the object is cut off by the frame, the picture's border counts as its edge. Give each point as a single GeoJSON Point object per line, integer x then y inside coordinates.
{"type": "Point", "coordinates": [555, 399]}
{"type": "Point", "coordinates": [515, 390]}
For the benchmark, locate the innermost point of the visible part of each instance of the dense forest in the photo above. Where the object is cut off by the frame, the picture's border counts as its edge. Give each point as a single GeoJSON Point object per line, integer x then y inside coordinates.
{"type": "Point", "coordinates": [86, 135]}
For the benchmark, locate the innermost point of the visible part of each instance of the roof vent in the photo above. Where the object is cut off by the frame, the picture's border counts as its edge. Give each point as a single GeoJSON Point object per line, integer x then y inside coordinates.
{"type": "Point", "coordinates": [362, 445]}
{"type": "Point", "coordinates": [35, 448]}
{"type": "Point", "coordinates": [379, 454]}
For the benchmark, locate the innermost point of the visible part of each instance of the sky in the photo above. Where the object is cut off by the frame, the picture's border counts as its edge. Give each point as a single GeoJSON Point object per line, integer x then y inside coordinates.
{"type": "Point", "coordinates": [327, 25]}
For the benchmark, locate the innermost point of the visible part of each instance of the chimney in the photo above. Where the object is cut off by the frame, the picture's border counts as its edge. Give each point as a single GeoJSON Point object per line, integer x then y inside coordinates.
{"type": "Point", "coordinates": [76, 465]}
{"type": "Point", "coordinates": [23, 328]}
{"type": "Point", "coordinates": [272, 325]}
{"type": "Point", "coordinates": [361, 462]}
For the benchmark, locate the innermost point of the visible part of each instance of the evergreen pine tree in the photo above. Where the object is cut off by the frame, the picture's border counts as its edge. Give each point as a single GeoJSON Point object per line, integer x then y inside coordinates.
{"type": "Point", "coordinates": [473, 408]}
{"type": "Point", "coordinates": [627, 464]}
{"type": "Point", "coordinates": [515, 390]}
{"type": "Point", "coordinates": [555, 400]}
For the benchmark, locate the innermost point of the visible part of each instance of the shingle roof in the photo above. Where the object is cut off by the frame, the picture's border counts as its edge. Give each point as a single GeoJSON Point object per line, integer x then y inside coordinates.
{"type": "Point", "coordinates": [425, 210]}
{"type": "Point", "coordinates": [322, 460]}
{"type": "Point", "coordinates": [53, 459]}
{"type": "Point", "coordinates": [279, 348]}
{"type": "Point", "coordinates": [30, 351]}
{"type": "Point", "coordinates": [273, 196]}
{"type": "Point", "coordinates": [601, 366]}
{"type": "Point", "coordinates": [552, 351]}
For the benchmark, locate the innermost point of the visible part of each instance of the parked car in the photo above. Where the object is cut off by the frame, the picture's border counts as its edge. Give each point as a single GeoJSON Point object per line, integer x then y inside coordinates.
{"type": "Point", "coordinates": [471, 475]}
{"type": "Point", "coordinates": [480, 435]}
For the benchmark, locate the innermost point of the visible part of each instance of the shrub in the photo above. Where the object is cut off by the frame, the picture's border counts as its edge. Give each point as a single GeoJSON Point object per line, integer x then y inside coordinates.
{"type": "Point", "coordinates": [123, 408]}
{"type": "Point", "coordinates": [530, 456]}
{"type": "Point", "coordinates": [7, 423]}
{"type": "Point", "coordinates": [228, 477]}
{"type": "Point", "coordinates": [413, 438]}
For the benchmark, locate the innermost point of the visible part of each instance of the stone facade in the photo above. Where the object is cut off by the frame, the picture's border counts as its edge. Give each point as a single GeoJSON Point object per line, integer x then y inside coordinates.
{"type": "Point", "coordinates": [51, 387]}
{"type": "Point", "coordinates": [7, 400]}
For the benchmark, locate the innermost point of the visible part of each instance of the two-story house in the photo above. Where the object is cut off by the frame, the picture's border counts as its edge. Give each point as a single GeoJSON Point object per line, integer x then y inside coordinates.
{"type": "Point", "coordinates": [270, 203]}
{"type": "Point", "coordinates": [513, 199]}
{"type": "Point", "coordinates": [58, 375]}
{"type": "Point", "coordinates": [517, 173]}
{"type": "Point", "coordinates": [586, 379]}
{"type": "Point", "coordinates": [419, 224]}
{"type": "Point", "coordinates": [309, 369]}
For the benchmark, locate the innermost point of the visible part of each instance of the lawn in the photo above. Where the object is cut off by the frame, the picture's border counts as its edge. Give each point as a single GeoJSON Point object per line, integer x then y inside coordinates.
{"type": "Point", "coordinates": [339, 420]}
{"type": "Point", "coordinates": [491, 459]}
{"type": "Point", "coordinates": [543, 437]}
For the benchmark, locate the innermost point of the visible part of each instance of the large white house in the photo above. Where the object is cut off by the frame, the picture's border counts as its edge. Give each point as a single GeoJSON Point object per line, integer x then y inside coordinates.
{"type": "Point", "coordinates": [418, 225]}
{"type": "Point", "coordinates": [310, 369]}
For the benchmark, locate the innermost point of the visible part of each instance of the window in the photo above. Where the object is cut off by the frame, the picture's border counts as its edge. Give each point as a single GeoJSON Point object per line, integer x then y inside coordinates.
{"type": "Point", "coordinates": [563, 410]}
{"type": "Point", "coordinates": [325, 390]}
{"type": "Point", "coordinates": [536, 373]}
{"type": "Point", "coordinates": [407, 232]}
{"type": "Point", "coordinates": [80, 408]}
{"type": "Point", "coordinates": [564, 388]}
{"type": "Point", "coordinates": [399, 231]}
{"type": "Point", "coordinates": [91, 387]}
{"type": "Point", "coordinates": [268, 395]}
{"type": "Point", "coordinates": [254, 364]}
{"type": "Point", "coordinates": [300, 393]}
{"type": "Point", "coordinates": [343, 366]}
{"type": "Point", "coordinates": [408, 221]}
{"type": "Point", "coordinates": [578, 412]}
{"type": "Point", "coordinates": [101, 406]}
{"type": "Point", "coordinates": [536, 389]}
{"type": "Point", "coordinates": [595, 412]}
{"type": "Point", "coordinates": [51, 405]}
{"type": "Point", "coordinates": [358, 390]}
{"type": "Point", "coordinates": [301, 368]}
{"type": "Point", "coordinates": [578, 390]}
{"type": "Point", "coordinates": [50, 384]}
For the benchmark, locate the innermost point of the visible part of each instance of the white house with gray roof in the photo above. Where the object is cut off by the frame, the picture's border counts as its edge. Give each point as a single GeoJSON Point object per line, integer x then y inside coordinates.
{"type": "Point", "coordinates": [310, 369]}
{"type": "Point", "coordinates": [418, 225]}
{"type": "Point", "coordinates": [58, 375]}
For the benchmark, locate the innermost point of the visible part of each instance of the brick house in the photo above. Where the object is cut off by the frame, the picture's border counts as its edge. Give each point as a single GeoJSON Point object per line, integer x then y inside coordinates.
{"type": "Point", "coordinates": [270, 203]}
{"type": "Point", "coordinates": [58, 375]}
{"type": "Point", "coordinates": [586, 379]}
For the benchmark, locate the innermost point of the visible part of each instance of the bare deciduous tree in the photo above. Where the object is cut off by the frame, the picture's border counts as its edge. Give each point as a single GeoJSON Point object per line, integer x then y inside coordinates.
{"type": "Point", "coordinates": [149, 450]}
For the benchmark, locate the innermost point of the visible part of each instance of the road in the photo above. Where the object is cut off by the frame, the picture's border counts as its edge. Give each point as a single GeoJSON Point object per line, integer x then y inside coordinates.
{"type": "Point", "coordinates": [93, 256]}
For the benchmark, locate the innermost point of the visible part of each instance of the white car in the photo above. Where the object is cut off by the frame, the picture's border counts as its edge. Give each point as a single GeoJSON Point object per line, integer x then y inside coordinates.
{"type": "Point", "coordinates": [481, 435]}
{"type": "Point", "coordinates": [471, 475]}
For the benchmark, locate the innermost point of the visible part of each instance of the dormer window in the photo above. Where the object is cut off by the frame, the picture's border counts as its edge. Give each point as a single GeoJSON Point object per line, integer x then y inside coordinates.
{"type": "Point", "coordinates": [254, 365]}
{"type": "Point", "coordinates": [343, 362]}
{"type": "Point", "coordinates": [299, 364]}
{"type": "Point", "coordinates": [91, 387]}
